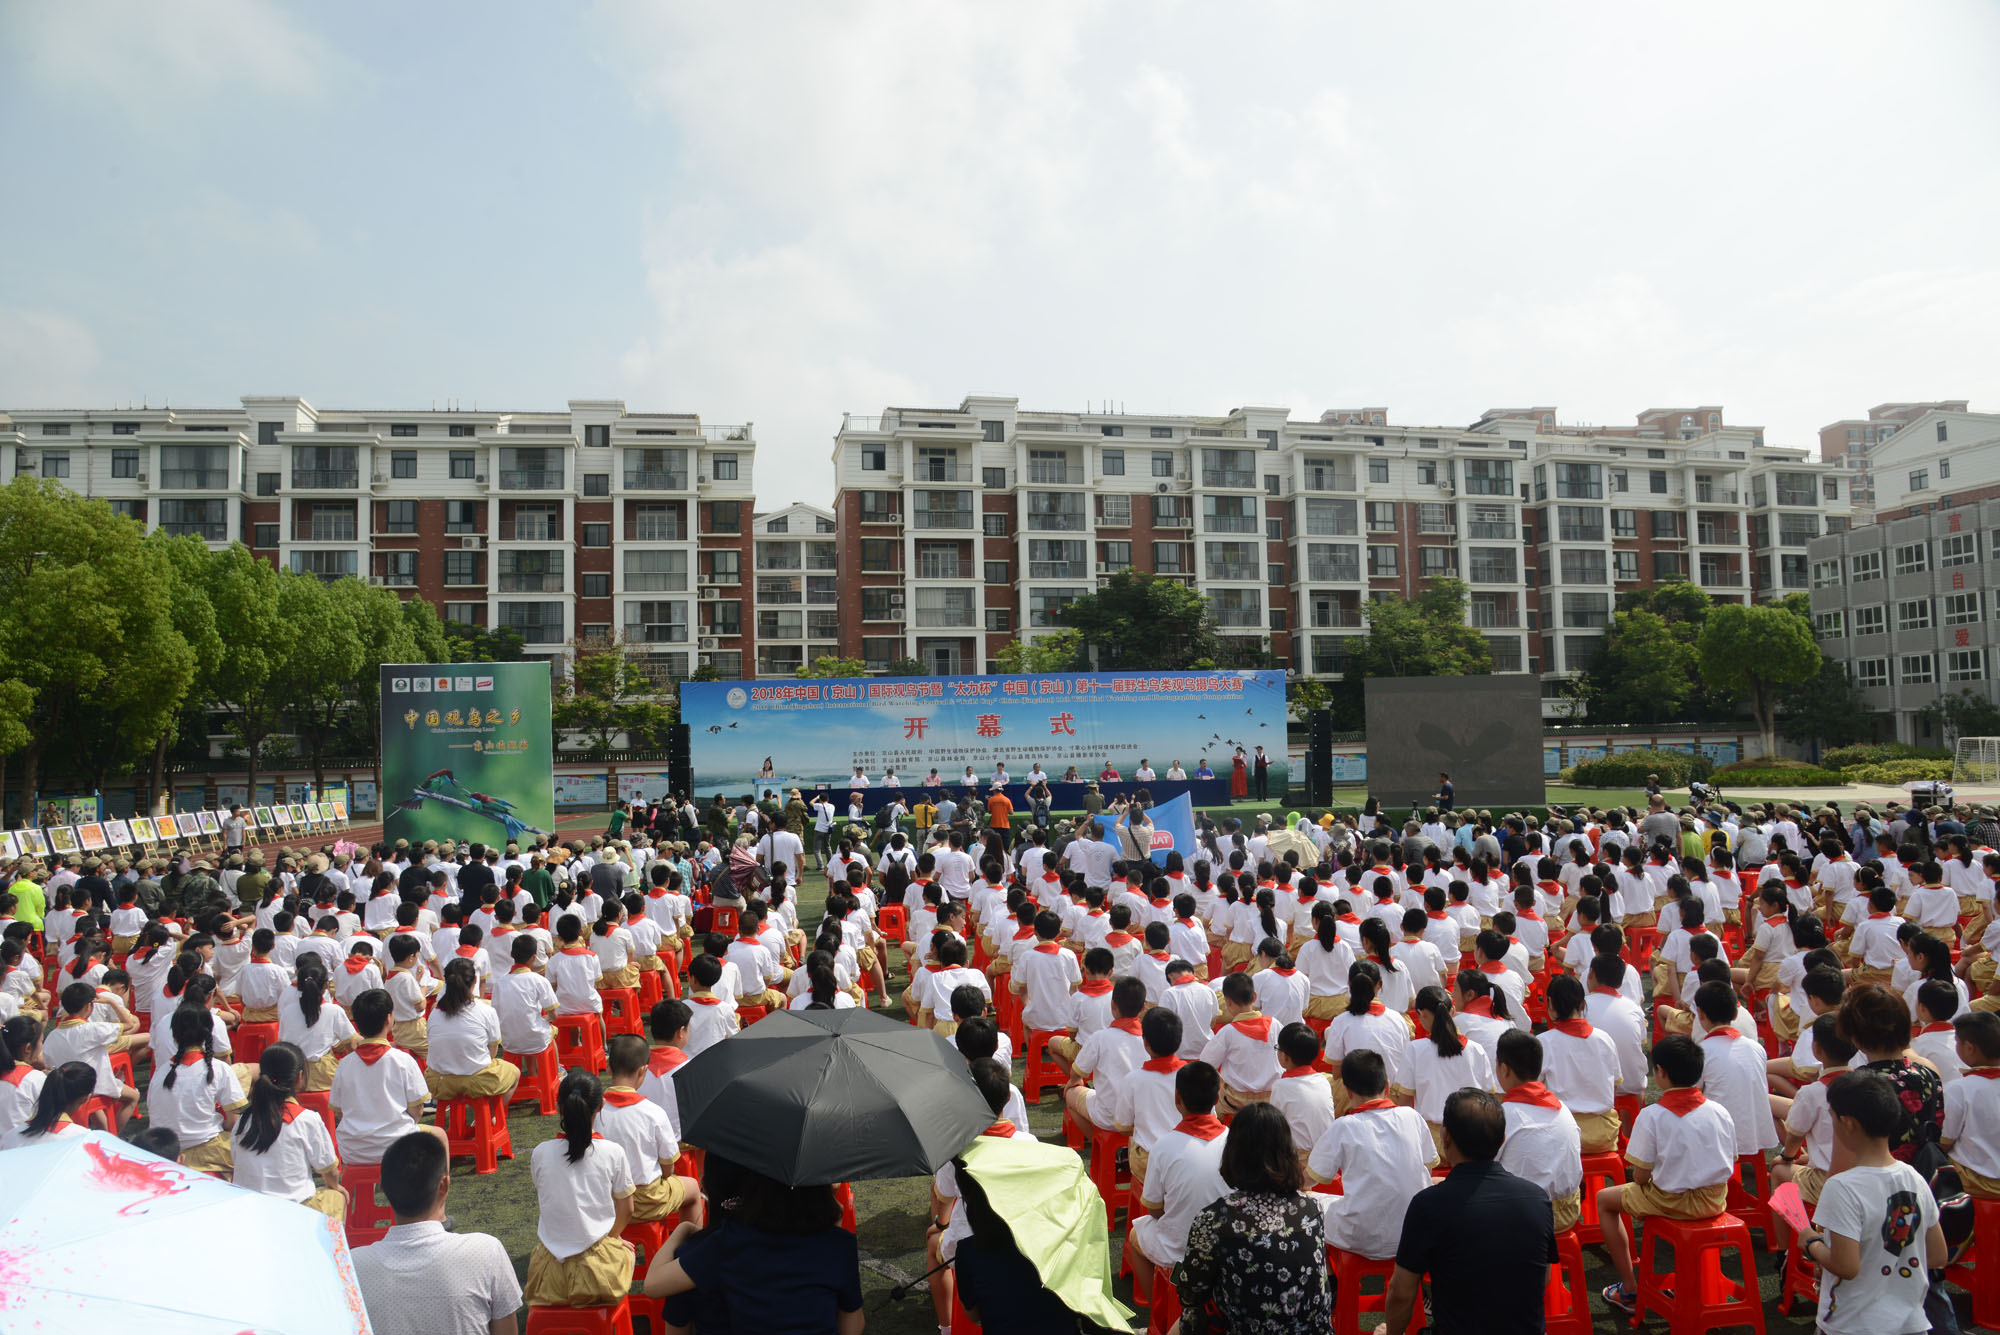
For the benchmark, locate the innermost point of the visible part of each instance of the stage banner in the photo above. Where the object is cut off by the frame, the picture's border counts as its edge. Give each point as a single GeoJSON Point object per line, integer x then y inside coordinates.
{"type": "Point", "coordinates": [467, 751]}
{"type": "Point", "coordinates": [820, 730]}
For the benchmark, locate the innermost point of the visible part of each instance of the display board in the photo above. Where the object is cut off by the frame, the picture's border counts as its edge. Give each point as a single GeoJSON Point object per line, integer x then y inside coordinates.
{"type": "Point", "coordinates": [820, 730]}
{"type": "Point", "coordinates": [467, 751]}
{"type": "Point", "coordinates": [1486, 732]}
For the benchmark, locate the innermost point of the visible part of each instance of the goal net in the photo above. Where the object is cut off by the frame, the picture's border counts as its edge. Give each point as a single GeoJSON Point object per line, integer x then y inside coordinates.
{"type": "Point", "coordinates": [1976, 760]}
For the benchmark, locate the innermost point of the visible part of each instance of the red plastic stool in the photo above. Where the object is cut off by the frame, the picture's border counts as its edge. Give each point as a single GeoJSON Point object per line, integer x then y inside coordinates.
{"type": "Point", "coordinates": [893, 922]}
{"type": "Point", "coordinates": [121, 1066]}
{"type": "Point", "coordinates": [1318, 1026]}
{"type": "Point", "coordinates": [844, 1193]}
{"type": "Point", "coordinates": [319, 1101]}
{"type": "Point", "coordinates": [1074, 1134]}
{"type": "Point", "coordinates": [1750, 1201]}
{"type": "Point", "coordinates": [477, 1128]}
{"type": "Point", "coordinates": [1166, 1306]}
{"type": "Point", "coordinates": [1702, 1297]}
{"type": "Point", "coordinates": [723, 920]}
{"type": "Point", "coordinates": [1980, 1275]}
{"type": "Point", "coordinates": [581, 1320]}
{"type": "Point", "coordinates": [621, 1011]}
{"type": "Point", "coordinates": [646, 1237]}
{"type": "Point", "coordinates": [1603, 1169]}
{"type": "Point", "coordinates": [962, 1324]}
{"type": "Point", "coordinates": [1349, 1302]}
{"type": "Point", "coordinates": [1628, 1107]}
{"type": "Point", "coordinates": [652, 988]}
{"type": "Point", "coordinates": [1566, 1298]}
{"type": "Point", "coordinates": [1801, 1281]}
{"type": "Point", "coordinates": [98, 1103]}
{"type": "Point", "coordinates": [541, 1077]}
{"type": "Point", "coordinates": [1042, 1074]}
{"type": "Point", "coordinates": [251, 1038]}
{"type": "Point", "coordinates": [1112, 1184]}
{"type": "Point", "coordinates": [580, 1041]}
{"type": "Point", "coordinates": [367, 1218]}
{"type": "Point", "coordinates": [749, 1015]}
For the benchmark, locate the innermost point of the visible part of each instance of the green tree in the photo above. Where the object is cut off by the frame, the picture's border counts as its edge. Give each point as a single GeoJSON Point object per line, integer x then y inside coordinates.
{"type": "Point", "coordinates": [243, 592]}
{"type": "Point", "coordinates": [908, 667]}
{"type": "Point", "coordinates": [1826, 707]}
{"type": "Point", "coordinates": [1424, 636]}
{"type": "Point", "coordinates": [194, 617]}
{"type": "Point", "coordinates": [428, 642]}
{"type": "Point", "coordinates": [1058, 651]}
{"type": "Point", "coordinates": [706, 672]}
{"type": "Point", "coordinates": [318, 675]}
{"type": "Point", "coordinates": [826, 665]}
{"type": "Point", "coordinates": [86, 627]}
{"type": "Point", "coordinates": [607, 695]}
{"type": "Point", "coordinates": [1645, 672]}
{"type": "Point", "coordinates": [1757, 651]}
{"type": "Point", "coordinates": [1304, 694]}
{"type": "Point", "coordinates": [1962, 713]}
{"type": "Point", "coordinates": [1140, 621]}
{"type": "Point", "coordinates": [479, 644]}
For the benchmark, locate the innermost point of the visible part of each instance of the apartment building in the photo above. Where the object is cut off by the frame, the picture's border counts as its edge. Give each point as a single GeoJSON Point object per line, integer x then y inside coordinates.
{"type": "Point", "coordinates": [583, 524]}
{"type": "Point", "coordinates": [1289, 526]}
{"type": "Point", "coordinates": [1851, 444]}
{"type": "Point", "coordinates": [796, 598]}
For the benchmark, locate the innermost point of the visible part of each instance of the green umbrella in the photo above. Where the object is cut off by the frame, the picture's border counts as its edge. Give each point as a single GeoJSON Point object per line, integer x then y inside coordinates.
{"type": "Point", "coordinates": [1056, 1216]}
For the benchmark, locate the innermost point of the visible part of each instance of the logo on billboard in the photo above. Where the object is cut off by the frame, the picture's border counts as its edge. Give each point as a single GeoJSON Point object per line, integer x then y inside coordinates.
{"type": "Point", "coordinates": [441, 683]}
{"type": "Point", "coordinates": [482, 683]}
{"type": "Point", "coordinates": [420, 685]}
{"type": "Point", "coordinates": [399, 685]}
{"type": "Point", "coordinates": [737, 697]}
{"type": "Point", "coordinates": [462, 684]}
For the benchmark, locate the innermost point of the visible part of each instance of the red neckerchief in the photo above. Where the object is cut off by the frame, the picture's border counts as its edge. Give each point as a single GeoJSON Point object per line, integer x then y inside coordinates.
{"type": "Point", "coordinates": [1372, 1105]}
{"type": "Point", "coordinates": [1163, 956]}
{"type": "Point", "coordinates": [502, 929]}
{"type": "Point", "coordinates": [1283, 973]}
{"type": "Point", "coordinates": [623, 1098]}
{"type": "Point", "coordinates": [1494, 966]}
{"type": "Point", "coordinates": [1607, 991]}
{"type": "Point", "coordinates": [705, 1001]}
{"type": "Point", "coordinates": [188, 1059]}
{"type": "Point", "coordinates": [749, 940]}
{"type": "Point", "coordinates": [1347, 917]}
{"type": "Point", "coordinates": [1094, 987]}
{"type": "Point", "coordinates": [1938, 1027]}
{"type": "Point", "coordinates": [1983, 1072]}
{"type": "Point", "coordinates": [1681, 1102]}
{"type": "Point", "coordinates": [665, 1060]}
{"type": "Point", "coordinates": [1528, 915]}
{"type": "Point", "coordinates": [1205, 1126]}
{"type": "Point", "coordinates": [1478, 1006]}
{"type": "Point", "coordinates": [1000, 1130]}
{"type": "Point", "coordinates": [1723, 1031]}
{"type": "Point", "coordinates": [1168, 1065]}
{"type": "Point", "coordinates": [1256, 1027]}
{"type": "Point", "coordinates": [1436, 915]}
{"type": "Point", "coordinates": [260, 959]}
{"type": "Point", "coordinates": [1294, 1072]}
{"type": "Point", "coordinates": [1551, 887]}
{"type": "Point", "coordinates": [356, 963]}
{"type": "Point", "coordinates": [1577, 1028]}
{"type": "Point", "coordinates": [1877, 917]}
{"type": "Point", "coordinates": [467, 952]}
{"type": "Point", "coordinates": [1047, 948]}
{"type": "Point", "coordinates": [934, 968]}
{"type": "Point", "coordinates": [290, 1111]}
{"type": "Point", "coordinates": [575, 950]}
{"type": "Point", "coordinates": [1115, 939]}
{"type": "Point", "coordinates": [1024, 934]}
{"type": "Point", "coordinates": [372, 1050]}
{"type": "Point", "coordinates": [1532, 1092]}
{"type": "Point", "coordinates": [17, 1075]}
{"type": "Point", "coordinates": [1125, 1025]}
{"type": "Point", "coordinates": [657, 892]}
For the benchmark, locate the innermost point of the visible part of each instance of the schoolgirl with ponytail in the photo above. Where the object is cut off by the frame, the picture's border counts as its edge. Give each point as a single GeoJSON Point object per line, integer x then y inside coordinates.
{"type": "Point", "coordinates": [1325, 959]}
{"type": "Point", "coordinates": [1395, 990]}
{"type": "Point", "coordinates": [1443, 1060]}
{"type": "Point", "coordinates": [195, 1096]}
{"type": "Point", "coordinates": [20, 1083]}
{"type": "Point", "coordinates": [58, 1107]}
{"type": "Point", "coordinates": [280, 1145]}
{"type": "Point", "coordinates": [1367, 1023]}
{"type": "Point", "coordinates": [320, 1029]}
{"type": "Point", "coordinates": [822, 991]}
{"type": "Point", "coordinates": [464, 1034]}
{"type": "Point", "coordinates": [584, 1186]}
{"type": "Point", "coordinates": [1771, 940]}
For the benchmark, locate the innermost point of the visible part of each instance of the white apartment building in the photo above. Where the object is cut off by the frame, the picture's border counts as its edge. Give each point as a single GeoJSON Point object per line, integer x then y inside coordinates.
{"type": "Point", "coordinates": [797, 594]}
{"type": "Point", "coordinates": [583, 524]}
{"type": "Point", "coordinates": [1851, 443]}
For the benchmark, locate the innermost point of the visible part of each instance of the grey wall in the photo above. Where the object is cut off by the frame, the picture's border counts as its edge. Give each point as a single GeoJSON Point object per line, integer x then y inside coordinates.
{"type": "Point", "coordinates": [1485, 731]}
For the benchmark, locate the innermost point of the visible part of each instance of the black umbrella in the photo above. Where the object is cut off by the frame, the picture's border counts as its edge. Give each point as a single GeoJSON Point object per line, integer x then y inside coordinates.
{"type": "Point", "coordinates": [831, 1096]}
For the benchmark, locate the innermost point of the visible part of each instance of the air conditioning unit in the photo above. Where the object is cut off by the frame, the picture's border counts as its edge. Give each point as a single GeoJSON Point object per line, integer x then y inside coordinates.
{"type": "Point", "coordinates": [1159, 486]}
{"type": "Point", "coordinates": [141, 479]}
{"type": "Point", "coordinates": [1447, 488]}
{"type": "Point", "coordinates": [711, 642]}
{"type": "Point", "coordinates": [895, 614]}
{"type": "Point", "coordinates": [701, 478]}
{"type": "Point", "coordinates": [480, 478]}
{"type": "Point", "coordinates": [472, 544]}
{"type": "Point", "coordinates": [376, 580]}
{"type": "Point", "coordinates": [381, 479]}
{"type": "Point", "coordinates": [895, 598]}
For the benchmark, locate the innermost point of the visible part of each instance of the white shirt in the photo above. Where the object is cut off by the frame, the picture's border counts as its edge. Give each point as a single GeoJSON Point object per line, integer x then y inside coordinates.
{"type": "Point", "coordinates": [1305, 1097]}
{"type": "Point", "coordinates": [1857, 1204]}
{"type": "Point", "coordinates": [1142, 1104]}
{"type": "Point", "coordinates": [1543, 1146]}
{"type": "Point", "coordinates": [1582, 1072]}
{"type": "Point", "coordinates": [643, 1130]}
{"type": "Point", "coordinates": [17, 1100]}
{"type": "Point", "coordinates": [1811, 1118]}
{"type": "Point", "coordinates": [192, 1108]}
{"type": "Point", "coordinates": [1282, 995]}
{"type": "Point", "coordinates": [578, 1200]}
{"type": "Point", "coordinates": [303, 1148]}
{"type": "Point", "coordinates": [89, 1043]}
{"type": "Point", "coordinates": [1437, 1077]}
{"type": "Point", "coordinates": [1733, 1075]}
{"type": "Point", "coordinates": [1626, 1023]}
{"type": "Point", "coordinates": [460, 1044]}
{"type": "Point", "coordinates": [314, 1040]}
{"type": "Point", "coordinates": [421, 1280]}
{"type": "Point", "coordinates": [1685, 1153]}
{"type": "Point", "coordinates": [1184, 1175]}
{"type": "Point", "coordinates": [1383, 1158]}
{"type": "Point", "coordinates": [1046, 976]}
{"type": "Point", "coordinates": [1972, 1119]}
{"type": "Point", "coordinates": [1195, 1003]}
{"type": "Point", "coordinates": [711, 1019]}
{"type": "Point", "coordinates": [374, 1102]}
{"type": "Point", "coordinates": [1386, 1033]}
{"type": "Point", "coordinates": [573, 973]}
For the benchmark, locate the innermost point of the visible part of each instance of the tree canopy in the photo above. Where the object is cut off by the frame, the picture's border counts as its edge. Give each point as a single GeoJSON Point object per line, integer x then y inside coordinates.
{"type": "Point", "coordinates": [1058, 651]}
{"type": "Point", "coordinates": [1757, 651]}
{"type": "Point", "coordinates": [1424, 636]}
{"type": "Point", "coordinates": [607, 696]}
{"type": "Point", "coordinates": [1137, 620]}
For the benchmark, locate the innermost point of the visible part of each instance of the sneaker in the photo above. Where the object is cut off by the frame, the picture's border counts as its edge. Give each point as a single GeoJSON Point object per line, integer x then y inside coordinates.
{"type": "Point", "coordinates": [1616, 1297]}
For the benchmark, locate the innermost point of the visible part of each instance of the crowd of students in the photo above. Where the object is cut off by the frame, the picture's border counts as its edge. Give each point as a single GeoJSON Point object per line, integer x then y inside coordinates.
{"type": "Point", "coordinates": [1312, 1002]}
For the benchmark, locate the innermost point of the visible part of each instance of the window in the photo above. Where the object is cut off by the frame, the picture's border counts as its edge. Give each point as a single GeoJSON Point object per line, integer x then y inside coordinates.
{"type": "Point", "coordinates": [1797, 530]}
{"type": "Point", "coordinates": [1624, 523]}
{"type": "Point", "coordinates": [1920, 478]}
{"type": "Point", "coordinates": [1163, 463]}
{"type": "Point", "coordinates": [403, 464]}
{"type": "Point", "coordinates": [1238, 607]}
{"type": "Point", "coordinates": [878, 507]}
{"type": "Point", "coordinates": [1830, 488]}
{"type": "Point", "coordinates": [399, 569]}
{"type": "Point", "coordinates": [264, 535]}
{"type": "Point", "coordinates": [1656, 481]}
{"type": "Point", "coordinates": [55, 428]}
{"type": "Point", "coordinates": [1333, 561]}
{"type": "Point", "coordinates": [1620, 480]}
{"type": "Point", "coordinates": [1382, 562]}
{"type": "Point", "coordinates": [1493, 565]}
{"type": "Point", "coordinates": [1117, 555]}
{"type": "Point", "coordinates": [329, 566]}
{"type": "Point", "coordinates": [1111, 430]}
{"type": "Point", "coordinates": [1913, 614]}
{"type": "Point", "coordinates": [1871, 672]}
{"type": "Point", "coordinates": [1625, 566]}
{"type": "Point", "coordinates": [1830, 625]}
{"type": "Point", "coordinates": [1172, 511]}
{"type": "Point", "coordinates": [399, 517]}
{"type": "Point", "coordinates": [1270, 439]}
{"type": "Point", "coordinates": [1046, 604]}
{"type": "Point", "coordinates": [1913, 558]}
{"type": "Point", "coordinates": [1916, 669]}
{"type": "Point", "coordinates": [1864, 566]}
{"type": "Point", "coordinates": [656, 572]}
{"type": "Point", "coordinates": [462, 568]}
{"type": "Point", "coordinates": [465, 614]}
{"type": "Point", "coordinates": [994, 525]}
{"type": "Point", "coordinates": [597, 437]}
{"type": "Point", "coordinates": [1161, 432]}
{"type": "Point", "coordinates": [1436, 562]}
{"type": "Point", "coordinates": [1940, 430]}
{"type": "Point", "coordinates": [597, 586]}
{"type": "Point", "coordinates": [1489, 477]}
{"type": "Point", "coordinates": [1583, 568]}
{"type": "Point", "coordinates": [1227, 514]}
{"type": "Point", "coordinates": [993, 432]}
{"type": "Point", "coordinates": [879, 554]}
{"type": "Point", "coordinates": [597, 535]}
{"type": "Point", "coordinates": [725, 567]}
{"type": "Point", "coordinates": [1378, 470]}
{"type": "Point", "coordinates": [461, 429]}
{"type": "Point", "coordinates": [597, 484]}
{"type": "Point", "coordinates": [874, 458]}
{"type": "Point", "coordinates": [996, 572]}
{"type": "Point", "coordinates": [403, 429]}
{"type": "Point", "coordinates": [1111, 461]}
{"type": "Point", "coordinates": [463, 463]}
{"type": "Point", "coordinates": [993, 479]}
{"type": "Point", "coordinates": [1272, 483]}
{"type": "Point", "coordinates": [1330, 519]}
{"type": "Point", "coordinates": [1580, 523]}
{"type": "Point", "coordinates": [537, 623]}
{"type": "Point", "coordinates": [462, 516]}
{"type": "Point", "coordinates": [725, 618]}
{"type": "Point", "coordinates": [1961, 609]}
{"type": "Point", "coordinates": [1381, 517]}
{"type": "Point", "coordinates": [530, 571]}
{"type": "Point", "coordinates": [1579, 482]}
{"type": "Point", "coordinates": [1427, 472]}
{"type": "Point", "coordinates": [267, 484]}
{"type": "Point", "coordinates": [1669, 565]}
{"type": "Point", "coordinates": [124, 428]}
{"type": "Point", "coordinates": [723, 517]}
{"type": "Point", "coordinates": [208, 520]}
{"type": "Point", "coordinates": [1668, 524]}
{"type": "Point", "coordinates": [723, 467]}
{"type": "Point", "coordinates": [124, 463]}
{"type": "Point", "coordinates": [1826, 574]}
{"type": "Point", "coordinates": [1586, 610]}
{"type": "Point", "coordinates": [55, 463]}
{"type": "Point", "coordinates": [999, 620]}
{"type": "Point", "coordinates": [1868, 620]}
{"type": "Point", "coordinates": [1965, 665]}
{"type": "Point", "coordinates": [1489, 522]}
{"type": "Point", "coordinates": [1944, 469]}
{"type": "Point", "coordinates": [1173, 558]}
{"type": "Point", "coordinates": [1433, 518]}
{"type": "Point", "coordinates": [1959, 549]}
{"type": "Point", "coordinates": [1231, 560]}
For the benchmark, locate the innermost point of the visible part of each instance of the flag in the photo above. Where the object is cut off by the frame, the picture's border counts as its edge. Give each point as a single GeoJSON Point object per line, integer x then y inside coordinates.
{"type": "Point", "coordinates": [1173, 828]}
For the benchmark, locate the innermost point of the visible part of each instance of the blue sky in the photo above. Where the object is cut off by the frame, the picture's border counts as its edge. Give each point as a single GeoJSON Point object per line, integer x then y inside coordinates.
{"type": "Point", "coordinates": [779, 212]}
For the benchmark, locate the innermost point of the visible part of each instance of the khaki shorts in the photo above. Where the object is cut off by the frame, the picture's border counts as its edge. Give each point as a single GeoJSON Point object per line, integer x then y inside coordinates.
{"type": "Point", "coordinates": [617, 978]}
{"type": "Point", "coordinates": [1568, 1209]}
{"type": "Point", "coordinates": [213, 1157]}
{"type": "Point", "coordinates": [1643, 1198]}
{"type": "Point", "coordinates": [1235, 953]}
{"type": "Point", "coordinates": [1976, 1184]}
{"type": "Point", "coordinates": [1066, 1048]}
{"type": "Point", "coordinates": [1235, 1100]}
{"type": "Point", "coordinates": [413, 1036]}
{"type": "Point", "coordinates": [1325, 1008]}
{"type": "Point", "coordinates": [1598, 1131]}
{"type": "Point", "coordinates": [497, 1079]}
{"type": "Point", "coordinates": [328, 1201]}
{"type": "Point", "coordinates": [1811, 1181]}
{"type": "Point", "coordinates": [657, 1199]}
{"type": "Point", "coordinates": [598, 1276]}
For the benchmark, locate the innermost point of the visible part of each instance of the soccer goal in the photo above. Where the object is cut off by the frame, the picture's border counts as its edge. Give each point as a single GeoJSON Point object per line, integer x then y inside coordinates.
{"type": "Point", "coordinates": [1976, 760]}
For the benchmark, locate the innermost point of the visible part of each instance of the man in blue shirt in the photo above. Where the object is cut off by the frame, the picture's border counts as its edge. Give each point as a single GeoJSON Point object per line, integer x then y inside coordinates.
{"type": "Point", "coordinates": [1204, 772]}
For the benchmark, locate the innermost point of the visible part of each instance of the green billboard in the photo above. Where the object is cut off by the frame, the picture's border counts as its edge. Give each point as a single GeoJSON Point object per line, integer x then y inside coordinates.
{"type": "Point", "coordinates": [467, 752]}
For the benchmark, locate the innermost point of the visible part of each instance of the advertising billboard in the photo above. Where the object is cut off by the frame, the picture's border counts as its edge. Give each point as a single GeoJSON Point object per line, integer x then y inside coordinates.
{"type": "Point", "coordinates": [467, 751]}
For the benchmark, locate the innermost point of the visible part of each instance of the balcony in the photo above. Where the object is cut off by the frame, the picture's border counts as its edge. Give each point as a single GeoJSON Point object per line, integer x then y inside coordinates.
{"type": "Point", "coordinates": [1715, 535]}
{"type": "Point", "coordinates": [1228, 477]}
{"type": "Point", "coordinates": [959, 617]}
{"type": "Point", "coordinates": [194, 479]}
{"type": "Point", "coordinates": [1721, 579]}
{"type": "Point", "coordinates": [1173, 521]}
{"type": "Point", "coordinates": [1232, 570]}
{"type": "Point", "coordinates": [1320, 479]}
{"type": "Point", "coordinates": [1716, 496]}
{"type": "Point", "coordinates": [1232, 524]}
{"type": "Point", "coordinates": [530, 529]}
{"type": "Point", "coordinates": [1056, 523]}
{"type": "Point", "coordinates": [325, 479]}
{"type": "Point", "coordinates": [646, 480]}
{"type": "Point", "coordinates": [531, 479]}
{"type": "Point", "coordinates": [938, 470]}
{"type": "Point", "coordinates": [520, 582]}
{"type": "Point", "coordinates": [653, 528]}
{"type": "Point", "coordinates": [656, 632]}
{"type": "Point", "coordinates": [1053, 474]}
{"type": "Point", "coordinates": [1058, 570]}
{"type": "Point", "coordinates": [942, 519]}
{"type": "Point", "coordinates": [1324, 572]}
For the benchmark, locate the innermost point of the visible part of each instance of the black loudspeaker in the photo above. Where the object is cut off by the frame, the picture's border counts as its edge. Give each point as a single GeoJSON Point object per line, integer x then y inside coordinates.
{"type": "Point", "coordinates": [1319, 757]}
{"type": "Point", "coordinates": [680, 762]}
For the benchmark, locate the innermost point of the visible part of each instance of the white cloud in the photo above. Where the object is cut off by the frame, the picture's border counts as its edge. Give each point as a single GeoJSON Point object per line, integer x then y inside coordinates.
{"type": "Point", "coordinates": [153, 56]}
{"type": "Point", "coordinates": [47, 359]}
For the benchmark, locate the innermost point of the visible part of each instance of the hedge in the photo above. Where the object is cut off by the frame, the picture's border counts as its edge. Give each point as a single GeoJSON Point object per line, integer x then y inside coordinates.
{"type": "Point", "coordinates": [1879, 753]}
{"type": "Point", "coordinates": [1628, 769]}
{"type": "Point", "coordinates": [1896, 772]}
{"type": "Point", "coordinates": [1805, 776]}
